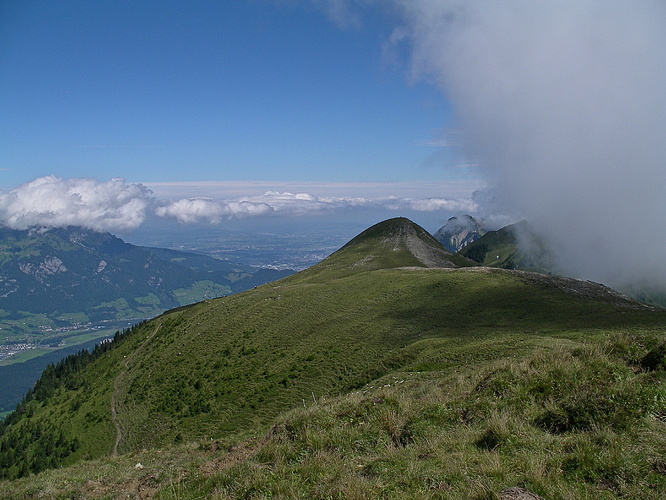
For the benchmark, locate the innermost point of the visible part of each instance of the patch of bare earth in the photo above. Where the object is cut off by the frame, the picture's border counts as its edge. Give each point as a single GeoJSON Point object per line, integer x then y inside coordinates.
{"type": "Point", "coordinates": [232, 455]}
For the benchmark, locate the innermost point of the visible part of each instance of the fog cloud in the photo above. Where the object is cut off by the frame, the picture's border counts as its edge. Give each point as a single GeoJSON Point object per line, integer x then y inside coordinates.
{"type": "Point", "coordinates": [566, 101]}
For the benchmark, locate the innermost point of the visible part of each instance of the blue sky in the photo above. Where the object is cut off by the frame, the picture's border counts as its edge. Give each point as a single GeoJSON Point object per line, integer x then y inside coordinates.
{"type": "Point", "coordinates": [207, 92]}
{"type": "Point", "coordinates": [197, 91]}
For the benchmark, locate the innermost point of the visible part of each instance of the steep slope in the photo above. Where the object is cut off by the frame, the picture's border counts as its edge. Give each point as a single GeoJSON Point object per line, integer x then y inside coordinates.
{"type": "Point", "coordinates": [233, 364]}
{"type": "Point", "coordinates": [572, 418]}
{"type": "Point", "coordinates": [73, 270]}
{"type": "Point", "coordinates": [458, 232]}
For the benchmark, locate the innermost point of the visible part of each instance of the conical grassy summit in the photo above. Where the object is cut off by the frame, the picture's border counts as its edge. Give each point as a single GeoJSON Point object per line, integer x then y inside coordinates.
{"type": "Point", "coordinates": [392, 243]}
{"type": "Point", "coordinates": [229, 367]}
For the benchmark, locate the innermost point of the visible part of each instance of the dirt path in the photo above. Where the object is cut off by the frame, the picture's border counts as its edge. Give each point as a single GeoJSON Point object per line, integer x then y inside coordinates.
{"type": "Point", "coordinates": [116, 390]}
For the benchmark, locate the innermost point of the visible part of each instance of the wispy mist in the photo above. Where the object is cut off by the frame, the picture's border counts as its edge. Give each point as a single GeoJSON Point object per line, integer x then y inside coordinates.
{"type": "Point", "coordinates": [566, 102]}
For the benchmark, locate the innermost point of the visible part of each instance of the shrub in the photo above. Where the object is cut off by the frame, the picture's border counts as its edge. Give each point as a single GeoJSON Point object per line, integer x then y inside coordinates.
{"type": "Point", "coordinates": [654, 359]}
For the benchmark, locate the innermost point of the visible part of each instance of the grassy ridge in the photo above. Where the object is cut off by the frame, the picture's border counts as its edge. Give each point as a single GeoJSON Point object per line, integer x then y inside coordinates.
{"type": "Point", "coordinates": [236, 364]}
{"type": "Point", "coordinates": [230, 366]}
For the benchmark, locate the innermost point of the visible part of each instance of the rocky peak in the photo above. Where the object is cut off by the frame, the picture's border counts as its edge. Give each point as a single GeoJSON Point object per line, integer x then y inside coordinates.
{"type": "Point", "coordinates": [458, 232]}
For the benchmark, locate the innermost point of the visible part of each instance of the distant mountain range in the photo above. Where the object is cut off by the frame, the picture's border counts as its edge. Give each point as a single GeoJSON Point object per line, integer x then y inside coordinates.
{"type": "Point", "coordinates": [58, 272]}
{"type": "Point", "coordinates": [515, 246]}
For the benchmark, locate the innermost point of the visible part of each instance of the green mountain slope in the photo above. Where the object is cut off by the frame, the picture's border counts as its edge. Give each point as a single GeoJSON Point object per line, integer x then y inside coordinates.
{"type": "Point", "coordinates": [228, 367]}
{"type": "Point", "coordinates": [518, 247]}
{"type": "Point", "coordinates": [579, 419]}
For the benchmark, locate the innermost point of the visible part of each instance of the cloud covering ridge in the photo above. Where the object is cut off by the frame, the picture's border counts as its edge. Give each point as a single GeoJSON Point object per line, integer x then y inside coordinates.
{"type": "Point", "coordinates": [565, 102]}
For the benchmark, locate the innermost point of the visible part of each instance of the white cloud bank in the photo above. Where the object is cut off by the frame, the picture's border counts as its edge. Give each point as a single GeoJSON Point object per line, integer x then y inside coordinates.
{"type": "Point", "coordinates": [275, 203]}
{"type": "Point", "coordinates": [119, 206]}
{"type": "Point", "coordinates": [194, 210]}
{"type": "Point", "coordinates": [51, 201]}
